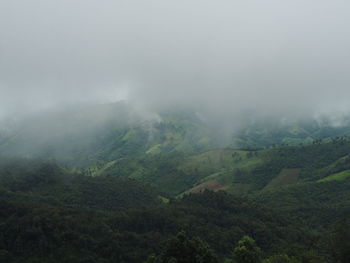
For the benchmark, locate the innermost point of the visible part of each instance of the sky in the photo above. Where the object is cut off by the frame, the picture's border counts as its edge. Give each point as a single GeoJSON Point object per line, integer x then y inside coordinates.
{"type": "Point", "coordinates": [223, 57]}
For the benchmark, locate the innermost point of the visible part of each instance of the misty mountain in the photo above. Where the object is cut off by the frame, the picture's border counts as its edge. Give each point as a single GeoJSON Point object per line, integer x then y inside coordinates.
{"type": "Point", "coordinates": [259, 132]}
{"type": "Point", "coordinates": [174, 131]}
{"type": "Point", "coordinates": [89, 134]}
{"type": "Point", "coordinates": [132, 179]}
{"type": "Point", "coordinates": [104, 132]}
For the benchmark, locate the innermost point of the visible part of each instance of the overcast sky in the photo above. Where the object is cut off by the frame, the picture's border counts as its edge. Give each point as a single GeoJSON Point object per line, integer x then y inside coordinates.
{"type": "Point", "coordinates": [223, 56]}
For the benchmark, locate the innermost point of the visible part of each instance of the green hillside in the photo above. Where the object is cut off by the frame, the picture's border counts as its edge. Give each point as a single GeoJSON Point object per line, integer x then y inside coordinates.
{"type": "Point", "coordinates": [45, 182]}
{"type": "Point", "coordinates": [264, 132]}
{"type": "Point", "coordinates": [109, 210]}
{"type": "Point", "coordinates": [285, 177]}
{"type": "Point", "coordinates": [87, 135]}
{"type": "Point", "coordinates": [77, 137]}
{"type": "Point", "coordinates": [235, 171]}
{"type": "Point", "coordinates": [51, 215]}
{"type": "Point", "coordinates": [317, 204]}
{"type": "Point", "coordinates": [337, 176]}
{"type": "Point", "coordinates": [177, 173]}
{"type": "Point", "coordinates": [115, 189]}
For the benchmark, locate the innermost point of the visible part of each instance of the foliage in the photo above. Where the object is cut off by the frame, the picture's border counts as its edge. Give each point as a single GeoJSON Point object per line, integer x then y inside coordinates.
{"type": "Point", "coordinates": [45, 182]}
{"type": "Point", "coordinates": [317, 204]}
{"type": "Point", "coordinates": [181, 249]}
{"type": "Point", "coordinates": [337, 176]}
{"type": "Point", "coordinates": [236, 171]}
{"type": "Point", "coordinates": [281, 258]}
{"type": "Point", "coordinates": [340, 240]}
{"type": "Point", "coordinates": [50, 214]}
{"type": "Point", "coordinates": [75, 218]}
{"type": "Point", "coordinates": [247, 251]}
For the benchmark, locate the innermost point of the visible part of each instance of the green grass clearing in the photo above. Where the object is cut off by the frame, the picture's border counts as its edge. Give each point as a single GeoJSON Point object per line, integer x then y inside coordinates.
{"type": "Point", "coordinates": [336, 177]}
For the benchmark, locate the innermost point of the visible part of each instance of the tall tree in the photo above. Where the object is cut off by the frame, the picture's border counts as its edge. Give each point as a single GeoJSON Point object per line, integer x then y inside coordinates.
{"type": "Point", "coordinates": [247, 251]}
{"type": "Point", "coordinates": [340, 241]}
{"type": "Point", "coordinates": [181, 249]}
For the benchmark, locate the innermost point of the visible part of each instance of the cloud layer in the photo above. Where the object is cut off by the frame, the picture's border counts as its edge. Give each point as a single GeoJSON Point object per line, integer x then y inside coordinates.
{"type": "Point", "coordinates": [218, 56]}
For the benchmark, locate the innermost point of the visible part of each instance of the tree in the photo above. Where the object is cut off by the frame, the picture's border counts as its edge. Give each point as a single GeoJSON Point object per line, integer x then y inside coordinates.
{"type": "Point", "coordinates": [340, 240]}
{"type": "Point", "coordinates": [281, 258]}
{"type": "Point", "coordinates": [181, 249]}
{"type": "Point", "coordinates": [247, 251]}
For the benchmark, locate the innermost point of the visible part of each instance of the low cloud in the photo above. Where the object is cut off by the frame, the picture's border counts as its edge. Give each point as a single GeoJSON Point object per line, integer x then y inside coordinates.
{"type": "Point", "coordinates": [219, 57]}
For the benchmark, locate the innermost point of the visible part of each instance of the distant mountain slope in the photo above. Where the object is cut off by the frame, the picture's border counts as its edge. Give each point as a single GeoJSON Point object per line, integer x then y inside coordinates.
{"type": "Point", "coordinates": [45, 182]}
{"type": "Point", "coordinates": [310, 183]}
{"type": "Point", "coordinates": [236, 171]}
{"type": "Point", "coordinates": [264, 132]}
{"type": "Point", "coordinates": [86, 135]}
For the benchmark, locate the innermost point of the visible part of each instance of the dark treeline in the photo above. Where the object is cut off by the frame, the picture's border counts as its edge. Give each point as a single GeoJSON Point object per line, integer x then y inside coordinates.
{"type": "Point", "coordinates": [51, 215]}
{"type": "Point", "coordinates": [42, 233]}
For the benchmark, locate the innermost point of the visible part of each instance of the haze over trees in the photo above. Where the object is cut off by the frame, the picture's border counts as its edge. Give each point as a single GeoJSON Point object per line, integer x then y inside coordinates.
{"type": "Point", "coordinates": [174, 131]}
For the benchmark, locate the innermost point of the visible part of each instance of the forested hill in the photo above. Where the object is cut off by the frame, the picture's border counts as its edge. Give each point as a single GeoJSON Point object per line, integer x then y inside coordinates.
{"type": "Point", "coordinates": [309, 182]}
{"type": "Point", "coordinates": [45, 210]}
{"type": "Point", "coordinates": [35, 231]}
{"type": "Point", "coordinates": [115, 189]}
{"type": "Point", "coordinates": [236, 171]}
{"type": "Point", "coordinates": [85, 135]}
{"type": "Point", "coordinates": [50, 214]}
{"type": "Point", "coordinates": [45, 182]}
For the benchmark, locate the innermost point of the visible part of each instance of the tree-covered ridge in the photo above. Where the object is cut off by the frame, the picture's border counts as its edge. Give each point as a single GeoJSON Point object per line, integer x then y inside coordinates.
{"type": "Point", "coordinates": [45, 182]}
{"type": "Point", "coordinates": [127, 204]}
{"type": "Point", "coordinates": [31, 231]}
{"type": "Point", "coordinates": [315, 203]}
{"type": "Point", "coordinates": [49, 214]}
{"type": "Point", "coordinates": [264, 132]}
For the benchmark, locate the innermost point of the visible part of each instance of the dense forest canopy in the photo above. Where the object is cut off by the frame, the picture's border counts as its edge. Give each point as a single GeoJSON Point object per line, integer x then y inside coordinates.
{"type": "Point", "coordinates": [292, 202]}
{"type": "Point", "coordinates": [159, 191]}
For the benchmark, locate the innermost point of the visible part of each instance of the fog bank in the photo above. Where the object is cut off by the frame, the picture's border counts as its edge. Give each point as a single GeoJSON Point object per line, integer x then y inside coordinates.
{"type": "Point", "coordinates": [219, 57]}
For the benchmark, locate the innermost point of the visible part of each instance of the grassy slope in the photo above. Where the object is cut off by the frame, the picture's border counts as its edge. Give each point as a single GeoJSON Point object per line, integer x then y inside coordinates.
{"type": "Point", "coordinates": [177, 173]}
{"type": "Point", "coordinates": [336, 177]}
{"type": "Point", "coordinates": [222, 167]}
{"type": "Point", "coordinates": [236, 171]}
